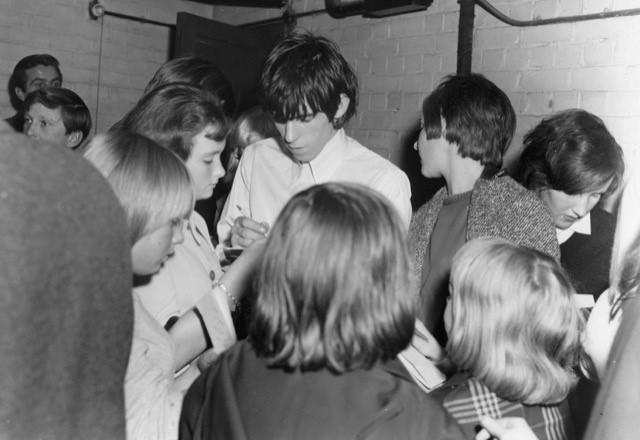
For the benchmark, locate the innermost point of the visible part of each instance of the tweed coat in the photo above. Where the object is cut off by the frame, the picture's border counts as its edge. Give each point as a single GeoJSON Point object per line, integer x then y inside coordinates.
{"type": "Point", "coordinates": [499, 207]}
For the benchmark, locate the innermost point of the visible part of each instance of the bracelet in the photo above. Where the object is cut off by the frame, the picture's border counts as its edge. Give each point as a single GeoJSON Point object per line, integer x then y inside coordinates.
{"type": "Point", "coordinates": [235, 304]}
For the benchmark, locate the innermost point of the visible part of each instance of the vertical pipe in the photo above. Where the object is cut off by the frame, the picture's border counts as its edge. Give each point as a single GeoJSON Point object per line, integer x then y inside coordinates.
{"type": "Point", "coordinates": [465, 36]}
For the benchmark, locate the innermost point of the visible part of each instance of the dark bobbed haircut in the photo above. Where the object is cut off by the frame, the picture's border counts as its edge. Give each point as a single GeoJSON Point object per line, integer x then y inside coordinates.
{"type": "Point", "coordinates": [307, 69]}
{"type": "Point", "coordinates": [75, 113]}
{"type": "Point", "coordinates": [478, 116]}
{"type": "Point", "coordinates": [570, 151]}
{"type": "Point", "coordinates": [173, 114]}
{"type": "Point", "coordinates": [334, 284]}
{"type": "Point", "coordinates": [19, 75]}
{"type": "Point", "coordinates": [199, 73]}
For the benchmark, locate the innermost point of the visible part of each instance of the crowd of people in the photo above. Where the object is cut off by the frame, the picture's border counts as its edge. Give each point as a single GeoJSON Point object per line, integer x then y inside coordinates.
{"type": "Point", "coordinates": [319, 305]}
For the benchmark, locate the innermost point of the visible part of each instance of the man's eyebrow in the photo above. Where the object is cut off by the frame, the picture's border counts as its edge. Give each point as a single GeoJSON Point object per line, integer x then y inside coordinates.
{"type": "Point", "coordinates": [40, 79]}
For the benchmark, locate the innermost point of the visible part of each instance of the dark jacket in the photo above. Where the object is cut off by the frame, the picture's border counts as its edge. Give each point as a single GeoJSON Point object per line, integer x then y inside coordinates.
{"type": "Point", "coordinates": [240, 397]}
{"type": "Point", "coordinates": [65, 283]}
{"type": "Point", "coordinates": [587, 258]}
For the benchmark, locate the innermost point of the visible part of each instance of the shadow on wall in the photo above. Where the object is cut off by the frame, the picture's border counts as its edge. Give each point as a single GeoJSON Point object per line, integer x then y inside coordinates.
{"type": "Point", "coordinates": [422, 188]}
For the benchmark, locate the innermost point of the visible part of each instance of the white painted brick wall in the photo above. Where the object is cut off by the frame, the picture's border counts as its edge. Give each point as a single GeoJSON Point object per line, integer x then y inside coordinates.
{"type": "Point", "coordinates": [594, 65]}
{"type": "Point", "coordinates": [131, 52]}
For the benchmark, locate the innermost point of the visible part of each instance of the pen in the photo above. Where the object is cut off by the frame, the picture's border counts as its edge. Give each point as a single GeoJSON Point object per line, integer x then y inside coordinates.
{"type": "Point", "coordinates": [231, 221]}
{"type": "Point", "coordinates": [265, 225]}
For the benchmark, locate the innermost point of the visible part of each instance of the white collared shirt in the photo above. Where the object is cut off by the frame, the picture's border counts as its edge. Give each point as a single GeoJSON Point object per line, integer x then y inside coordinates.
{"type": "Point", "coordinates": [267, 178]}
{"type": "Point", "coordinates": [582, 226]}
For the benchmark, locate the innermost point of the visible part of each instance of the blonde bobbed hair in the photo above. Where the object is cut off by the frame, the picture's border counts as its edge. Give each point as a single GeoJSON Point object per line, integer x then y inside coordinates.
{"type": "Point", "coordinates": [152, 183]}
{"type": "Point", "coordinates": [514, 325]}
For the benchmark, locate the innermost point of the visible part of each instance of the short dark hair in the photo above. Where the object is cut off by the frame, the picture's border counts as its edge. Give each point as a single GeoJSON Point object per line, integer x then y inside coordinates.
{"type": "Point", "coordinates": [173, 114]}
{"type": "Point", "coordinates": [252, 125]}
{"type": "Point", "coordinates": [478, 115]}
{"type": "Point", "coordinates": [307, 69]}
{"type": "Point", "coordinates": [19, 75]}
{"type": "Point", "coordinates": [199, 73]}
{"type": "Point", "coordinates": [75, 113]}
{"type": "Point", "coordinates": [334, 283]}
{"type": "Point", "coordinates": [570, 151]}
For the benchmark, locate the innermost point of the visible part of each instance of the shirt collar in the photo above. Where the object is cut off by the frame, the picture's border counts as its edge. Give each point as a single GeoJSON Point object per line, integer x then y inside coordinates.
{"type": "Point", "coordinates": [582, 226]}
{"type": "Point", "coordinates": [330, 158]}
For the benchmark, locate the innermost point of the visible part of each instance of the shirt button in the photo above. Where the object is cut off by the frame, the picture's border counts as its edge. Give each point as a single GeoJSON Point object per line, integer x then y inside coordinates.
{"type": "Point", "coordinates": [212, 275]}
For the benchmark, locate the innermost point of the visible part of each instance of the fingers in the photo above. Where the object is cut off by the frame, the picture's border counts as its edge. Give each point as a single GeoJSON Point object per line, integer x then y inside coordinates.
{"type": "Point", "coordinates": [206, 359]}
{"type": "Point", "coordinates": [491, 428]}
{"type": "Point", "coordinates": [508, 428]}
{"type": "Point", "coordinates": [245, 231]}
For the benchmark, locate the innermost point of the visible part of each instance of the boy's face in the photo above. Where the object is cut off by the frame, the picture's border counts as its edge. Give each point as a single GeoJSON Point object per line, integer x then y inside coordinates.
{"type": "Point", "coordinates": [39, 77]}
{"type": "Point", "coordinates": [306, 138]}
{"type": "Point", "coordinates": [45, 124]}
{"type": "Point", "coordinates": [432, 154]}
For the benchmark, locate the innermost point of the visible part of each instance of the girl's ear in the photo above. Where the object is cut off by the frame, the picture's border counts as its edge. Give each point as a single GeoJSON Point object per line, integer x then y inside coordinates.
{"type": "Point", "coordinates": [74, 139]}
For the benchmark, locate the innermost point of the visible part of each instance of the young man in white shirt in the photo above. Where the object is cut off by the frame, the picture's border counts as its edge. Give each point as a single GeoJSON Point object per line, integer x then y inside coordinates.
{"type": "Point", "coordinates": [311, 91]}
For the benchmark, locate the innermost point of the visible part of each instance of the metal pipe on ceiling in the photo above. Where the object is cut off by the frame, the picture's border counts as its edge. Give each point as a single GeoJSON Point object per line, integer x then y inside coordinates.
{"type": "Point", "coordinates": [96, 10]}
{"type": "Point", "coordinates": [484, 4]}
{"type": "Point", "coordinates": [466, 26]}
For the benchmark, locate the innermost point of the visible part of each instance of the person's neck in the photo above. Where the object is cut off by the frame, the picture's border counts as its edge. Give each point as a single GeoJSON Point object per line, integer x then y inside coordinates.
{"type": "Point", "coordinates": [462, 175]}
{"type": "Point", "coordinates": [327, 139]}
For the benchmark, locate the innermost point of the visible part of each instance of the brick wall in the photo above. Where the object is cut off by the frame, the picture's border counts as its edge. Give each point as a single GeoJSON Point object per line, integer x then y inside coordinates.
{"type": "Point", "coordinates": [594, 65]}
{"type": "Point", "coordinates": [131, 52]}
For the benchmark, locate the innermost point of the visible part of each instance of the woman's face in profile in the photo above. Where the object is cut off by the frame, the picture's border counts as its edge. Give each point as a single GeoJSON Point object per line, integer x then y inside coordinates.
{"type": "Point", "coordinates": [204, 162]}
{"type": "Point", "coordinates": [566, 209]}
{"type": "Point", "coordinates": [151, 250]}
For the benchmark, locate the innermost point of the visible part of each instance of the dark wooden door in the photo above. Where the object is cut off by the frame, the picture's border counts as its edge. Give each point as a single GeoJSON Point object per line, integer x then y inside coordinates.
{"type": "Point", "coordinates": [239, 52]}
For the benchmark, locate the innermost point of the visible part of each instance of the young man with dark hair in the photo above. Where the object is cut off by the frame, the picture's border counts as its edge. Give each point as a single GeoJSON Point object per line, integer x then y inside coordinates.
{"type": "Point", "coordinates": [31, 73]}
{"type": "Point", "coordinates": [57, 115]}
{"type": "Point", "coordinates": [311, 91]}
{"type": "Point", "coordinates": [468, 124]}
